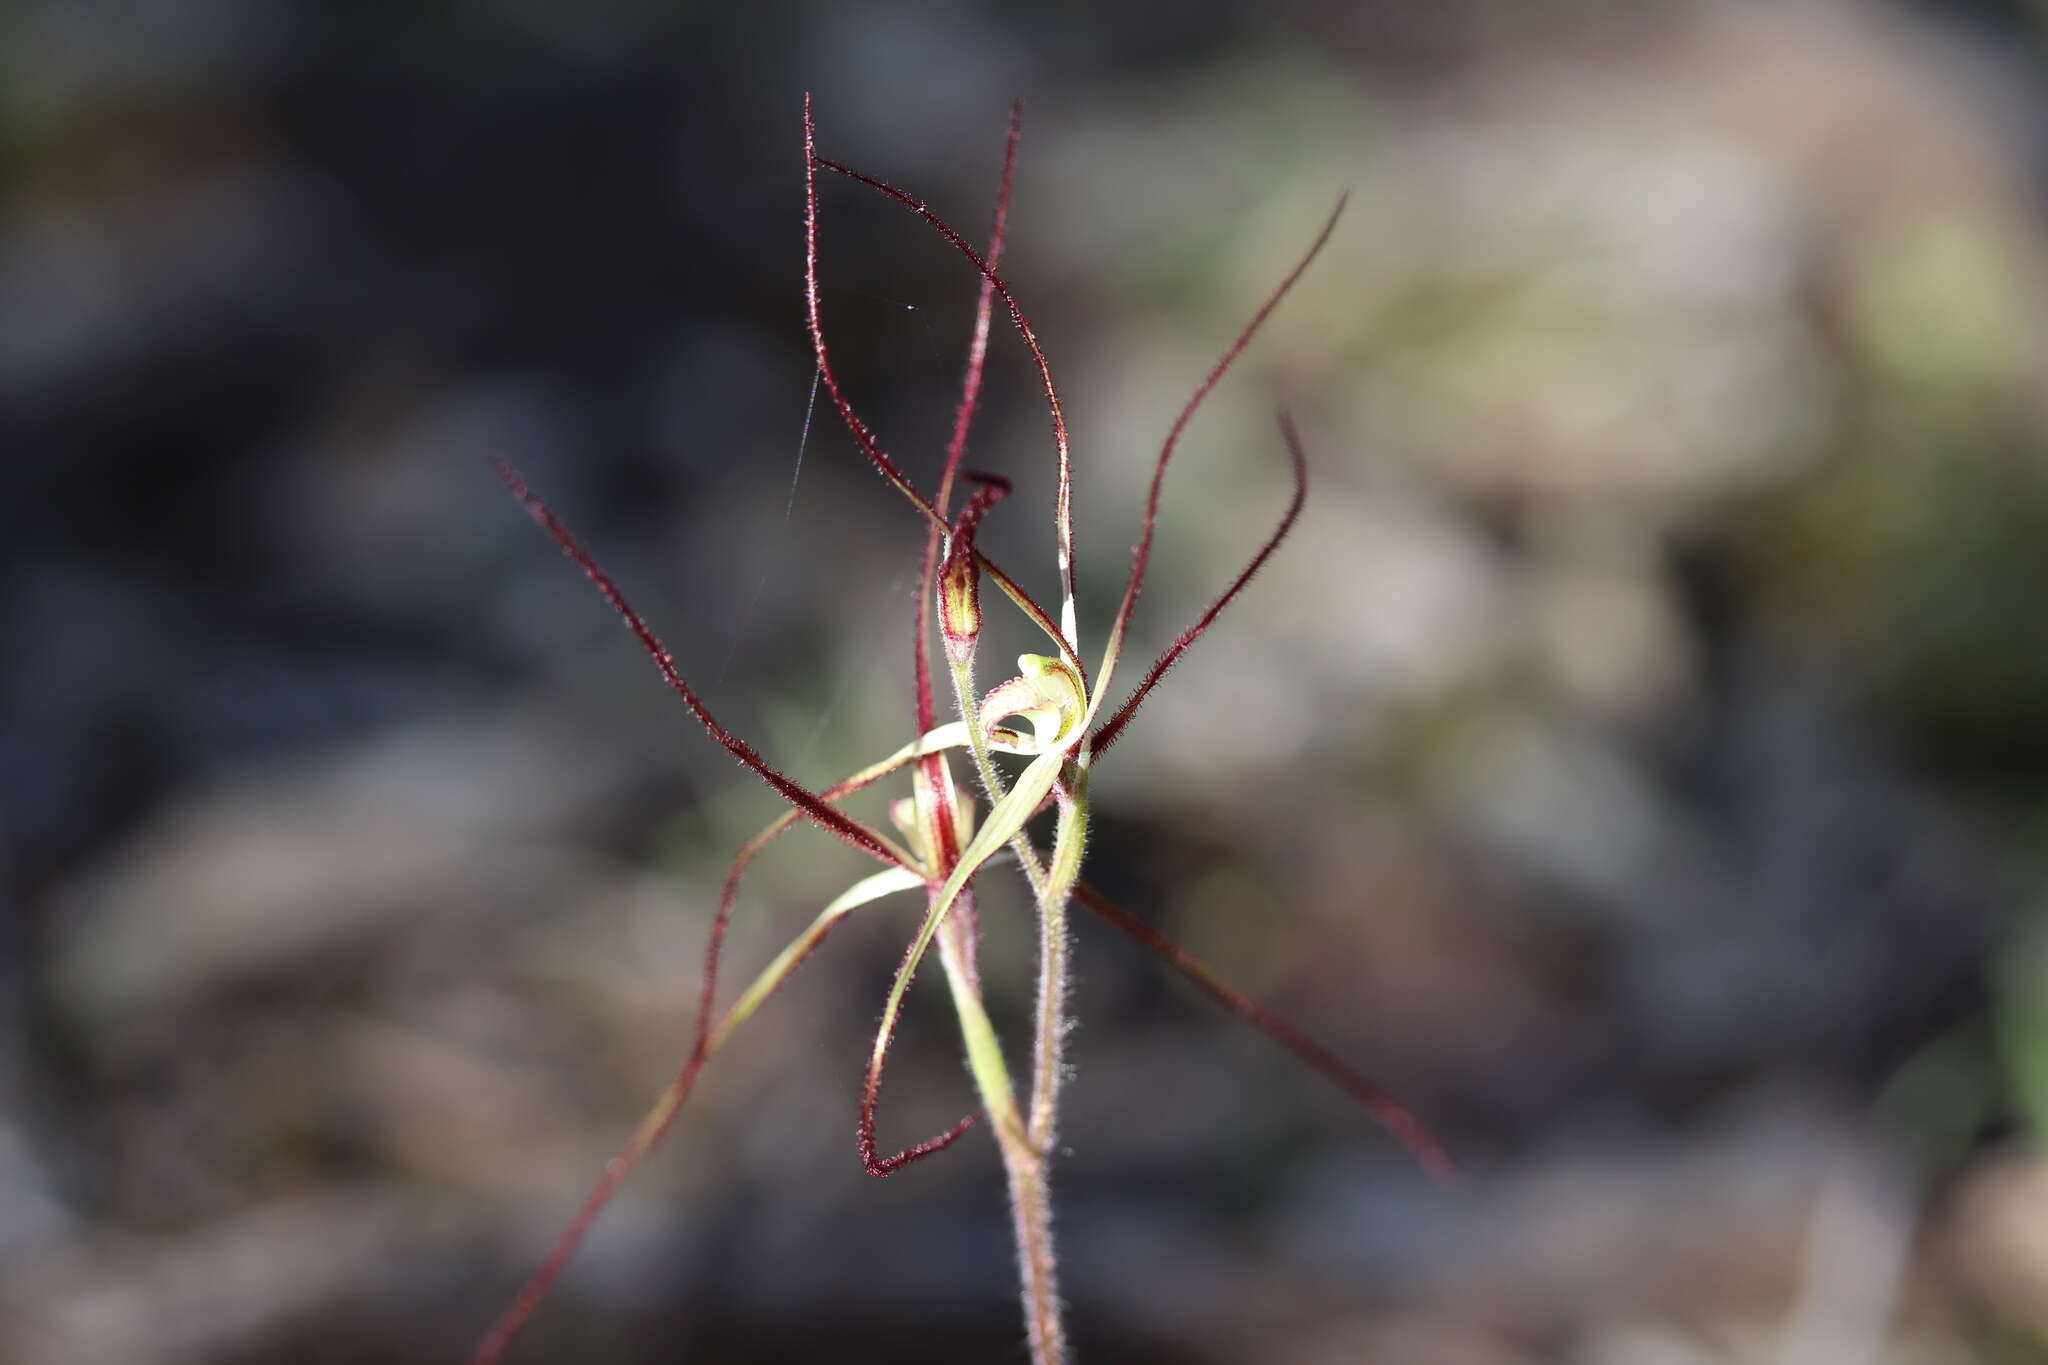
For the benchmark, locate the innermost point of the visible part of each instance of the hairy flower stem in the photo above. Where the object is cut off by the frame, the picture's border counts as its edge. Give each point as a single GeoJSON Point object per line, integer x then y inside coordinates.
{"type": "Point", "coordinates": [1023, 1162]}
{"type": "Point", "coordinates": [1048, 1065]}
{"type": "Point", "coordinates": [1029, 1164]}
{"type": "Point", "coordinates": [1027, 1155]}
{"type": "Point", "coordinates": [1037, 1264]}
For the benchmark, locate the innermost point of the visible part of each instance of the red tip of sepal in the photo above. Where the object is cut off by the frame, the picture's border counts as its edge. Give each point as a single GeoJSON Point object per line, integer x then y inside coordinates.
{"type": "Point", "coordinates": [882, 1167]}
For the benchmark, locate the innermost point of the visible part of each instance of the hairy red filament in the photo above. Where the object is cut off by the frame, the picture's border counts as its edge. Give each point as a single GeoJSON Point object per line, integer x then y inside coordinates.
{"type": "Point", "coordinates": [804, 799]}
{"type": "Point", "coordinates": [1064, 505]}
{"type": "Point", "coordinates": [1141, 554]}
{"type": "Point", "coordinates": [882, 1167]}
{"type": "Point", "coordinates": [1114, 726]}
{"type": "Point", "coordinates": [870, 1099]}
{"type": "Point", "coordinates": [865, 438]}
{"type": "Point", "coordinates": [662, 1116]}
{"type": "Point", "coordinates": [814, 319]}
{"type": "Point", "coordinates": [933, 788]}
{"type": "Point", "coordinates": [1388, 1112]}
{"type": "Point", "coordinates": [510, 1323]}
{"type": "Point", "coordinates": [984, 309]}
{"type": "Point", "coordinates": [728, 894]}
{"type": "Point", "coordinates": [963, 421]}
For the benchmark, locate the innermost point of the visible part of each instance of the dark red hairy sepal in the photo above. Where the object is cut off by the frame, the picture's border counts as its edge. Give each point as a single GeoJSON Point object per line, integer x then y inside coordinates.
{"type": "Point", "coordinates": [1388, 1112]}
{"type": "Point", "coordinates": [1112, 728]}
{"type": "Point", "coordinates": [809, 802]}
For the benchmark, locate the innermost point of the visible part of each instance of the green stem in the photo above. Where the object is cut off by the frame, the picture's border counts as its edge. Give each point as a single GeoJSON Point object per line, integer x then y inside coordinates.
{"type": "Point", "coordinates": [1037, 1262]}
{"type": "Point", "coordinates": [1048, 1066]}
{"type": "Point", "coordinates": [1027, 1154]}
{"type": "Point", "coordinates": [984, 1051]}
{"type": "Point", "coordinates": [1023, 1161]}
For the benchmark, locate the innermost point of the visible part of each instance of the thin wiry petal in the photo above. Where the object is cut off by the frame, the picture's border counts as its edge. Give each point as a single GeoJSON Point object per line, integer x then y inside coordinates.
{"type": "Point", "coordinates": [1063, 510]}
{"type": "Point", "coordinates": [963, 421]}
{"type": "Point", "coordinates": [1114, 726]}
{"type": "Point", "coordinates": [1060, 634]}
{"type": "Point", "coordinates": [1388, 1112]}
{"type": "Point", "coordinates": [704, 1041]}
{"type": "Point", "coordinates": [662, 1116]}
{"type": "Point", "coordinates": [1141, 554]}
{"type": "Point", "coordinates": [806, 800]}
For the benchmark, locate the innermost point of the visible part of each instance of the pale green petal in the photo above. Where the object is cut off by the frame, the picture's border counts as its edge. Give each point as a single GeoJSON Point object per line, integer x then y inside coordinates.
{"type": "Point", "coordinates": [871, 888]}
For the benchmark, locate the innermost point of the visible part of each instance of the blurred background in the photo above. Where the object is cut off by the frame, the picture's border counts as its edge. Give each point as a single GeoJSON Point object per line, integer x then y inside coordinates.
{"type": "Point", "coordinates": [1637, 758]}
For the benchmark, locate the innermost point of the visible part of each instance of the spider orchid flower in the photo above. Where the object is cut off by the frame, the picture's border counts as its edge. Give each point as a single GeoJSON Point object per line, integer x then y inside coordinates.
{"type": "Point", "coordinates": [1054, 714]}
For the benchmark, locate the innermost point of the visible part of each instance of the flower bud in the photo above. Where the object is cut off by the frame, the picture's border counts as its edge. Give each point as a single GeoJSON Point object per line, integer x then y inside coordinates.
{"type": "Point", "coordinates": [959, 585]}
{"type": "Point", "coordinates": [959, 605]}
